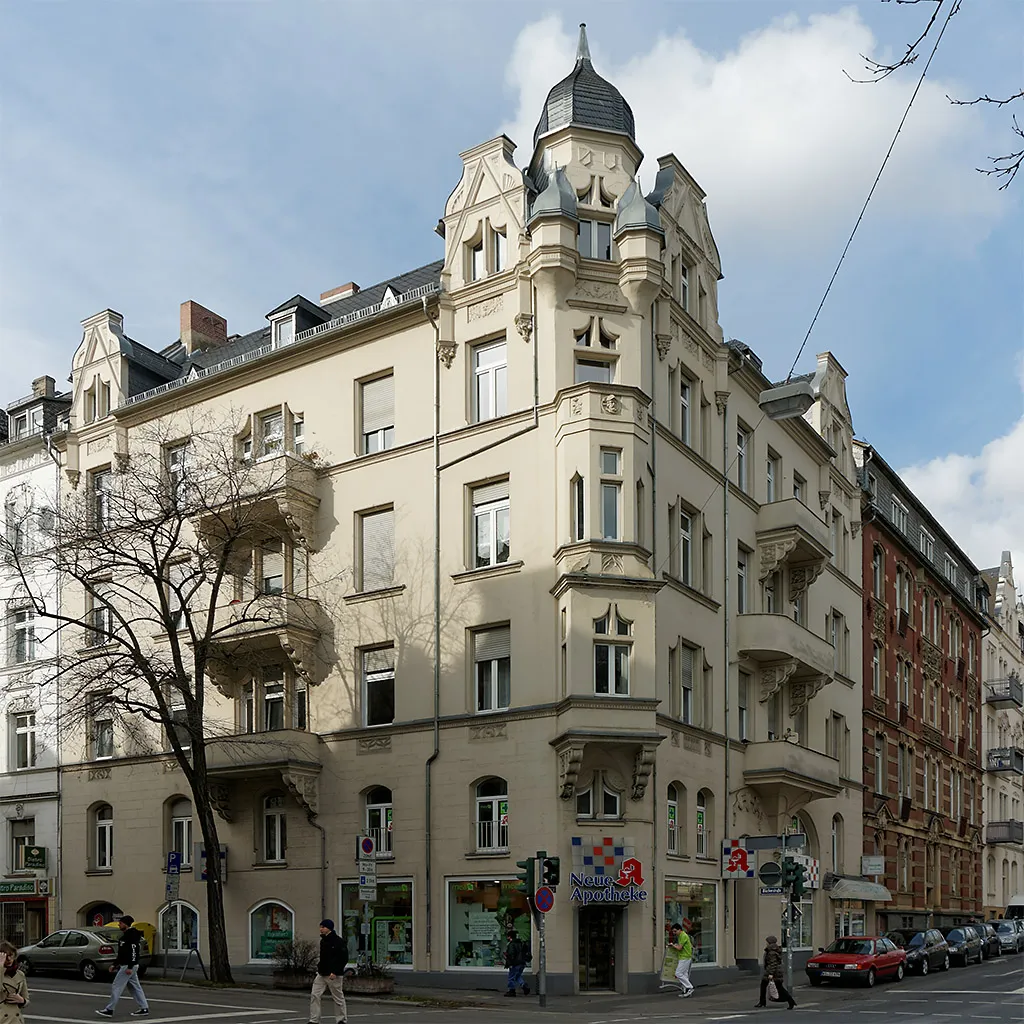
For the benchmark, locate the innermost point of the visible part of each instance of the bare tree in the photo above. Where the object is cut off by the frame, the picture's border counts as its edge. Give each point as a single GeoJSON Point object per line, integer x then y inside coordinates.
{"type": "Point", "coordinates": [1003, 167]}
{"type": "Point", "coordinates": [158, 597]}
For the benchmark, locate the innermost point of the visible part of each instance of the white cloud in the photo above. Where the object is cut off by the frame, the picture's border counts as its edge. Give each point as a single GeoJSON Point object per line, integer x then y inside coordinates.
{"type": "Point", "coordinates": [776, 132]}
{"type": "Point", "coordinates": [979, 499]}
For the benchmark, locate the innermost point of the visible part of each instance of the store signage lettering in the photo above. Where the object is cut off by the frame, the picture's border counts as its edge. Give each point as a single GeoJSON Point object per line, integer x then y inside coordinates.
{"type": "Point", "coordinates": [626, 887]}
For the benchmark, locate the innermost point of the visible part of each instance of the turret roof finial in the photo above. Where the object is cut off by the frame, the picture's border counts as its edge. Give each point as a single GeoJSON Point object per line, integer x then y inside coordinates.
{"type": "Point", "coordinates": [583, 47]}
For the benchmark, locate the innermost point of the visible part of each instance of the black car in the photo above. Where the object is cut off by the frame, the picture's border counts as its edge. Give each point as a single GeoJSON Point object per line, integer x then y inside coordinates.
{"type": "Point", "coordinates": [926, 950]}
{"type": "Point", "coordinates": [964, 945]}
{"type": "Point", "coordinates": [990, 944]}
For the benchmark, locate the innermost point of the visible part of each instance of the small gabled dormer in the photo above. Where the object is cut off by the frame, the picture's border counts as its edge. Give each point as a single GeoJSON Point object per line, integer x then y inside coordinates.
{"type": "Point", "coordinates": [292, 317]}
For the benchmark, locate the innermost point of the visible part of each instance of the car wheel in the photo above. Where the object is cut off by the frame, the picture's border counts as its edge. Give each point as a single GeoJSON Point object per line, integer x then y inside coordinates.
{"type": "Point", "coordinates": [814, 981]}
{"type": "Point", "coordinates": [25, 966]}
{"type": "Point", "coordinates": [871, 978]}
{"type": "Point", "coordinates": [945, 963]}
{"type": "Point", "coordinates": [925, 967]}
{"type": "Point", "coordinates": [900, 971]}
{"type": "Point", "coordinates": [88, 970]}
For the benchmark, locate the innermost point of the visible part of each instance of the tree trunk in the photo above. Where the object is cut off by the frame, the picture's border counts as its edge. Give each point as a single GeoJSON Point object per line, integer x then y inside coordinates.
{"type": "Point", "coordinates": [220, 964]}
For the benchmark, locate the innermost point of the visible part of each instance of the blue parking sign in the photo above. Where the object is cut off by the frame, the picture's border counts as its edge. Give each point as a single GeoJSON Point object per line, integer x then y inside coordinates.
{"type": "Point", "coordinates": [174, 863]}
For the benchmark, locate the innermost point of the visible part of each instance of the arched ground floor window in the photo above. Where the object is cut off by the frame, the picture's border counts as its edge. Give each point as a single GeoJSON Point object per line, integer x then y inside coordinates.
{"type": "Point", "coordinates": [179, 928]}
{"type": "Point", "coordinates": [270, 923]}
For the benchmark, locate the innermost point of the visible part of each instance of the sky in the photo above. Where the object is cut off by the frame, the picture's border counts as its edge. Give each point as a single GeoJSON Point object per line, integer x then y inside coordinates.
{"type": "Point", "coordinates": [239, 152]}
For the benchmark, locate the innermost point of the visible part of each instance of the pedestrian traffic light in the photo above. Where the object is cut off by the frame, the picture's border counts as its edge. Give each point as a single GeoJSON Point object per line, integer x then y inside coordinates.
{"type": "Point", "coordinates": [799, 878]}
{"type": "Point", "coordinates": [550, 871]}
{"type": "Point", "coordinates": [525, 876]}
{"type": "Point", "coordinates": [788, 871]}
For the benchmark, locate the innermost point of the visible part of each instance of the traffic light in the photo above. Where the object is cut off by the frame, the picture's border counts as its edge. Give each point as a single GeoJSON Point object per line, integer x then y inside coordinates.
{"type": "Point", "coordinates": [789, 867]}
{"type": "Point", "coordinates": [525, 876]}
{"type": "Point", "coordinates": [799, 878]}
{"type": "Point", "coordinates": [550, 871]}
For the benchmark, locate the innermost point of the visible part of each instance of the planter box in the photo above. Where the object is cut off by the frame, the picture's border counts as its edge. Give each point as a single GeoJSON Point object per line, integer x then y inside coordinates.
{"type": "Point", "coordinates": [368, 986]}
{"type": "Point", "coordinates": [293, 979]}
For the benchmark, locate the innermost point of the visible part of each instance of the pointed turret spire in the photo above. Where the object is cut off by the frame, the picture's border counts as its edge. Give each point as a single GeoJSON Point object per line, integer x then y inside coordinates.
{"type": "Point", "coordinates": [583, 47]}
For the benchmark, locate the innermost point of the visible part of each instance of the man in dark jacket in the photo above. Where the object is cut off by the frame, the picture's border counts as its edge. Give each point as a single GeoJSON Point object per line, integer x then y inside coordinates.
{"type": "Point", "coordinates": [773, 972]}
{"type": "Point", "coordinates": [329, 973]}
{"type": "Point", "coordinates": [129, 956]}
{"type": "Point", "coordinates": [517, 955]}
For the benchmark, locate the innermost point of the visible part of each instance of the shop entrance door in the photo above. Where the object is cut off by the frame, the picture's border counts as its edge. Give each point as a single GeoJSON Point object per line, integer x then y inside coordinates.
{"type": "Point", "coordinates": [597, 926]}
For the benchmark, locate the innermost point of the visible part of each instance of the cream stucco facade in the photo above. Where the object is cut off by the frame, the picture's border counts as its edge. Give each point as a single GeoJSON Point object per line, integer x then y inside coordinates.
{"type": "Point", "coordinates": [648, 596]}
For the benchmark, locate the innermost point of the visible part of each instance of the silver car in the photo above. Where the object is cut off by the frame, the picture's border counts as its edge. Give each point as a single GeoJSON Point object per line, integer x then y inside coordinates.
{"type": "Point", "coordinates": [90, 952]}
{"type": "Point", "coordinates": [1011, 937]}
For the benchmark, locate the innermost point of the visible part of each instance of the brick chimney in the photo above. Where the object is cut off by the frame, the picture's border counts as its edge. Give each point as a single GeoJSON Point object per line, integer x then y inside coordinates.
{"type": "Point", "coordinates": [42, 387]}
{"type": "Point", "coordinates": [343, 291]}
{"type": "Point", "coordinates": [201, 328]}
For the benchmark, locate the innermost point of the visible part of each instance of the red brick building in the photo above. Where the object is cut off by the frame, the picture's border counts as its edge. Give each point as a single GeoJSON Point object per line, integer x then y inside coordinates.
{"type": "Point", "coordinates": [924, 613]}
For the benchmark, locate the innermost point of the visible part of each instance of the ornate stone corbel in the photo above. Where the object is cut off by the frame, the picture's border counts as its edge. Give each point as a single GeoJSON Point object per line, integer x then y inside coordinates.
{"type": "Point", "coordinates": [774, 553]}
{"type": "Point", "coordinates": [302, 657]}
{"type": "Point", "coordinates": [570, 760]}
{"type": "Point", "coordinates": [220, 798]}
{"type": "Point", "coordinates": [746, 801]}
{"type": "Point", "coordinates": [74, 476]}
{"type": "Point", "coordinates": [721, 401]}
{"type": "Point", "coordinates": [304, 786]}
{"type": "Point", "coordinates": [120, 462]}
{"type": "Point", "coordinates": [221, 677]}
{"type": "Point", "coordinates": [855, 528]}
{"type": "Point", "coordinates": [823, 497]}
{"type": "Point", "coordinates": [664, 343]}
{"type": "Point", "coordinates": [774, 677]}
{"type": "Point", "coordinates": [802, 690]}
{"type": "Point", "coordinates": [446, 353]}
{"type": "Point", "coordinates": [524, 325]}
{"type": "Point", "coordinates": [801, 577]}
{"type": "Point", "coordinates": [643, 764]}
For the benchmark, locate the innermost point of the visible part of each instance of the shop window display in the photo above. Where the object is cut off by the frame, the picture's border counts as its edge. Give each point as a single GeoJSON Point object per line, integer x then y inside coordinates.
{"type": "Point", "coordinates": [698, 902]}
{"type": "Point", "coordinates": [480, 914]}
{"type": "Point", "coordinates": [269, 924]}
{"type": "Point", "coordinates": [391, 928]}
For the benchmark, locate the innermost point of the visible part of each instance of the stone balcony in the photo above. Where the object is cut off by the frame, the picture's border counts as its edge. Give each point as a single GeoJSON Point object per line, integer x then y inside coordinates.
{"type": "Point", "coordinates": [785, 772]}
{"type": "Point", "coordinates": [1005, 759]}
{"type": "Point", "coordinates": [1005, 832]}
{"type": "Point", "coordinates": [1005, 693]}
{"type": "Point", "coordinates": [789, 532]}
{"type": "Point", "coordinates": [787, 653]}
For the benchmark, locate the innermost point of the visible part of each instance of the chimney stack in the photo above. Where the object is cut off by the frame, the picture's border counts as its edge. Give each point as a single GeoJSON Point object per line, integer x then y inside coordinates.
{"type": "Point", "coordinates": [201, 328]}
{"type": "Point", "coordinates": [343, 291]}
{"type": "Point", "coordinates": [42, 387]}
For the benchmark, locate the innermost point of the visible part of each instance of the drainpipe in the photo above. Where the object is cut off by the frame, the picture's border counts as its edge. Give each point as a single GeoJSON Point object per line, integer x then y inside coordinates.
{"type": "Point", "coordinates": [437, 626]}
{"type": "Point", "coordinates": [323, 863]}
{"type": "Point", "coordinates": [59, 718]}
{"type": "Point", "coordinates": [726, 623]}
{"type": "Point", "coordinates": [655, 943]}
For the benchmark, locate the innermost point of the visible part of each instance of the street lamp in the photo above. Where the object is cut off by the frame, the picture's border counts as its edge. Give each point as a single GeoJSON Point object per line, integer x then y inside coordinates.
{"type": "Point", "coordinates": [787, 401]}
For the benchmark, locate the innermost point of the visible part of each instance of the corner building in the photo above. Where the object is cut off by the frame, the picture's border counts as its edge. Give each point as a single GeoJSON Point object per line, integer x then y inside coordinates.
{"type": "Point", "coordinates": [622, 667]}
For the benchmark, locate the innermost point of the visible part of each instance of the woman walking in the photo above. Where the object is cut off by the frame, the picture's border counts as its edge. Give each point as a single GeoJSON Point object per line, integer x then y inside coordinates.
{"type": "Point", "coordinates": [15, 989]}
{"type": "Point", "coordinates": [772, 972]}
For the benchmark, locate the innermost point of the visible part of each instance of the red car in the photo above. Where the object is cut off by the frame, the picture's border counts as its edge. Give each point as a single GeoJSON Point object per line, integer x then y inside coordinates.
{"type": "Point", "coordinates": [861, 958]}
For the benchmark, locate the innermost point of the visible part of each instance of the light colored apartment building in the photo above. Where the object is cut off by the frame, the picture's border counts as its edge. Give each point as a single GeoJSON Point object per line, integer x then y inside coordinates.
{"type": "Point", "coordinates": [1003, 741]}
{"type": "Point", "coordinates": [622, 665]}
{"type": "Point", "coordinates": [29, 790]}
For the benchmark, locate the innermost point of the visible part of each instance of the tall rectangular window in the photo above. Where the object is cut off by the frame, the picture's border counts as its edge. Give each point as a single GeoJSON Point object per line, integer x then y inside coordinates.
{"type": "Point", "coordinates": [379, 686]}
{"type": "Point", "coordinates": [272, 433]}
{"type": "Point", "coordinates": [881, 765]}
{"type": "Point", "coordinates": [21, 636]}
{"type": "Point", "coordinates": [500, 251]}
{"type": "Point", "coordinates": [743, 705]}
{"type": "Point", "coordinates": [378, 400]}
{"type": "Point", "coordinates": [949, 568]}
{"type": "Point", "coordinates": [876, 671]}
{"type": "Point", "coordinates": [772, 474]}
{"type": "Point", "coordinates": [611, 655]}
{"type": "Point", "coordinates": [477, 264]}
{"type": "Point", "coordinates": [686, 548]}
{"type": "Point", "coordinates": [272, 567]}
{"type": "Point", "coordinates": [684, 286]}
{"type": "Point", "coordinates": [492, 654]}
{"type": "Point", "coordinates": [175, 464]}
{"type": "Point", "coordinates": [611, 493]}
{"type": "Point", "coordinates": [273, 690]}
{"type": "Point", "coordinates": [100, 486]}
{"type": "Point", "coordinates": [686, 659]}
{"type": "Point", "coordinates": [799, 487]}
{"type": "Point", "coordinates": [490, 524]}
{"type": "Point", "coordinates": [899, 515]}
{"type": "Point", "coordinates": [377, 549]}
{"type": "Point", "coordinates": [577, 501]}
{"type": "Point", "coordinates": [927, 544]}
{"type": "Point", "coordinates": [102, 727]}
{"type": "Point", "coordinates": [25, 740]}
{"type": "Point", "coordinates": [594, 239]}
{"type": "Point", "coordinates": [742, 453]}
{"type": "Point", "coordinates": [741, 581]}
{"type": "Point", "coordinates": [490, 381]}
{"type": "Point", "coordinates": [23, 839]}
{"type": "Point", "coordinates": [685, 408]}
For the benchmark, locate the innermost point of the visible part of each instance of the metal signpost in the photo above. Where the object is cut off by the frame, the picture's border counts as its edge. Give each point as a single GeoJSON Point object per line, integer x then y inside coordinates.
{"type": "Point", "coordinates": [366, 852]}
{"type": "Point", "coordinates": [172, 883]}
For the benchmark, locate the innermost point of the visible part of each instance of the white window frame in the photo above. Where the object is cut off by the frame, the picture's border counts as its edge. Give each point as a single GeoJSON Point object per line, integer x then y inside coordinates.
{"type": "Point", "coordinates": [284, 331]}
{"type": "Point", "coordinates": [181, 838]}
{"type": "Point", "coordinates": [23, 645]}
{"type": "Point", "coordinates": [772, 477]}
{"type": "Point", "coordinates": [490, 379]}
{"type": "Point", "coordinates": [23, 724]}
{"type": "Point", "coordinates": [500, 635]}
{"type": "Point", "coordinates": [743, 437]}
{"type": "Point", "coordinates": [877, 572]}
{"type": "Point", "coordinates": [377, 421]}
{"type": "Point", "coordinates": [380, 821]}
{"type": "Point", "coordinates": [492, 833]}
{"type": "Point", "coordinates": [271, 427]}
{"type": "Point", "coordinates": [488, 515]}
{"type": "Point", "coordinates": [274, 829]}
{"type": "Point", "coordinates": [672, 818]}
{"type": "Point", "coordinates": [611, 493]}
{"type": "Point", "coordinates": [742, 567]}
{"type": "Point", "coordinates": [899, 515]}
{"type": "Point", "coordinates": [926, 544]}
{"type": "Point", "coordinates": [685, 408]}
{"type": "Point", "coordinates": [743, 705]}
{"type": "Point", "coordinates": [599, 788]}
{"type": "Point", "coordinates": [799, 486]}
{"type": "Point", "coordinates": [703, 844]}
{"type": "Point", "coordinates": [377, 566]}
{"type": "Point", "coordinates": [617, 648]}
{"type": "Point", "coordinates": [590, 248]}
{"type": "Point", "coordinates": [686, 525]}
{"type": "Point", "coordinates": [104, 838]}
{"type": "Point", "coordinates": [381, 676]}
{"type": "Point", "coordinates": [949, 569]}
{"type": "Point", "coordinates": [477, 261]}
{"type": "Point", "coordinates": [876, 671]}
{"type": "Point", "coordinates": [499, 250]}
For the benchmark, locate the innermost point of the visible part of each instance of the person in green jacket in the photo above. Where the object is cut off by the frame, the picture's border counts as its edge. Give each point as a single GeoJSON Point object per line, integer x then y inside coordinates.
{"type": "Point", "coordinates": [683, 945]}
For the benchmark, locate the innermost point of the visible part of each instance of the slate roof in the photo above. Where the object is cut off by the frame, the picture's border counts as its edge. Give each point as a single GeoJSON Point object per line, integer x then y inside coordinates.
{"type": "Point", "coordinates": [586, 99]}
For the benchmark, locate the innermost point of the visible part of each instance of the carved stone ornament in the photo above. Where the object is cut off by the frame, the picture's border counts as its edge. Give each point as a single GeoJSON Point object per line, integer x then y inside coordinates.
{"type": "Point", "coordinates": [374, 745]}
{"type": "Point", "coordinates": [220, 798]}
{"type": "Point", "coordinates": [479, 310]}
{"type": "Point", "coordinates": [170, 767]}
{"type": "Point", "coordinates": [446, 353]}
{"type": "Point", "coordinates": [611, 563]}
{"type": "Point", "coordinates": [610, 404]}
{"type": "Point", "coordinates": [302, 657]}
{"type": "Point", "coordinates": [675, 739]}
{"type": "Point", "coordinates": [98, 774]}
{"type": "Point", "coordinates": [878, 620]}
{"type": "Point", "coordinates": [19, 810]}
{"type": "Point", "coordinates": [576, 406]}
{"type": "Point", "coordinates": [304, 786]}
{"type": "Point", "coordinates": [524, 325]}
{"type": "Point", "coordinates": [801, 577]}
{"type": "Point", "coordinates": [120, 462]}
{"type": "Point", "coordinates": [721, 401]}
{"type": "Point", "coordinates": [774, 677]}
{"type": "Point", "coordinates": [746, 801]}
{"type": "Point", "coordinates": [489, 731]}
{"type": "Point", "coordinates": [707, 359]}
{"type": "Point", "coordinates": [570, 760]}
{"type": "Point", "coordinates": [879, 705]}
{"type": "Point", "coordinates": [691, 743]}
{"type": "Point", "coordinates": [598, 292]}
{"type": "Point", "coordinates": [774, 553]}
{"type": "Point", "coordinates": [932, 658]}
{"type": "Point", "coordinates": [74, 477]}
{"type": "Point", "coordinates": [643, 764]}
{"type": "Point", "coordinates": [823, 497]}
{"type": "Point", "coordinates": [638, 409]}
{"type": "Point", "coordinates": [801, 691]}
{"type": "Point", "coordinates": [664, 343]}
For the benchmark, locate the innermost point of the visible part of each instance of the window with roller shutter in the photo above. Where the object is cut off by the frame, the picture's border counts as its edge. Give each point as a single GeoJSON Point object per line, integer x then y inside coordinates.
{"type": "Point", "coordinates": [490, 524]}
{"type": "Point", "coordinates": [492, 657]}
{"type": "Point", "coordinates": [377, 549]}
{"type": "Point", "coordinates": [378, 402]}
{"type": "Point", "coordinates": [379, 686]}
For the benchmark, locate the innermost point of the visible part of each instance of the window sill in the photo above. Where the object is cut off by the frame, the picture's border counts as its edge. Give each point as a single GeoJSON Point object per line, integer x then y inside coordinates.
{"type": "Point", "coordinates": [485, 572]}
{"type": "Point", "coordinates": [93, 872]}
{"type": "Point", "coordinates": [270, 866]}
{"type": "Point", "coordinates": [706, 860]}
{"type": "Point", "coordinates": [599, 821]}
{"type": "Point", "coordinates": [685, 857]}
{"type": "Point", "coordinates": [373, 595]}
{"type": "Point", "coordinates": [502, 854]}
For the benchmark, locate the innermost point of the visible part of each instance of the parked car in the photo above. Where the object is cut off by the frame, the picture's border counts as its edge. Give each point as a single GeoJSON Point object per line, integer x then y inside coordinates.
{"type": "Point", "coordinates": [926, 950]}
{"type": "Point", "coordinates": [864, 959]}
{"type": "Point", "coordinates": [91, 952]}
{"type": "Point", "coordinates": [964, 945]}
{"type": "Point", "coordinates": [990, 944]}
{"type": "Point", "coordinates": [1011, 938]}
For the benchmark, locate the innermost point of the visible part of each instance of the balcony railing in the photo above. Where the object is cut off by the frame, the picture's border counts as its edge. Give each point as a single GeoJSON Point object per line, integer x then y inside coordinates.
{"type": "Point", "coordinates": [382, 840]}
{"type": "Point", "coordinates": [1005, 759]}
{"type": "Point", "coordinates": [1005, 832]}
{"type": "Point", "coordinates": [1005, 693]}
{"type": "Point", "coordinates": [491, 836]}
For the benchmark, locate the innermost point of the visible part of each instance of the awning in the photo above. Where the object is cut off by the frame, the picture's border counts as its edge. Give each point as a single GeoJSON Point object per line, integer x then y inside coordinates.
{"type": "Point", "coordinates": [858, 889]}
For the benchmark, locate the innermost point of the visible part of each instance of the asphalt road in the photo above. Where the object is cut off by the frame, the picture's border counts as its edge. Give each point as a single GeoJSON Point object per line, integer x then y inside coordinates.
{"type": "Point", "coordinates": [992, 993]}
